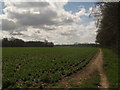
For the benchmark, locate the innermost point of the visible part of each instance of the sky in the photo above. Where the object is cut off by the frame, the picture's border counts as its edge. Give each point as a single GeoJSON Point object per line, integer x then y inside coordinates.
{"type": "Point", "coordinates": [58, 22]}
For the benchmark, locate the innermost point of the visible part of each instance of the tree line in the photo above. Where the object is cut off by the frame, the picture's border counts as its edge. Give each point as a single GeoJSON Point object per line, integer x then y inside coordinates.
{"type": "Point", "coordinates": [20, 43]}
{"type": "Point", "coordinates": [108, 25]}
{"type": "Point", "coordinates": [14, 42]}
{"type": "Point", "coordinates": [79, 45]}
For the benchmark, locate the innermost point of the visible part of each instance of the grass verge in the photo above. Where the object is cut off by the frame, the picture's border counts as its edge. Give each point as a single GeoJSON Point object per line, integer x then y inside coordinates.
{"type": "Point", "coordinates": [111, 67]}
{"type": "Point", "coordinates": [92, 82]}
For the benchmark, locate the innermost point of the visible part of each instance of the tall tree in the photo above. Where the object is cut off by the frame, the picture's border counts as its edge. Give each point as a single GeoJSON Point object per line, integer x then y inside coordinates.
{"type": "Point", "coordinates": [108, 32]}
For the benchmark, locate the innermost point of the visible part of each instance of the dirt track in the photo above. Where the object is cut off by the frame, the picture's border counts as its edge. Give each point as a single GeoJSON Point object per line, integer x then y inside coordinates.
{"type": "Point", "coordinates": [103, 79]}
{"type": "Point", "coordinates": [96, 64]}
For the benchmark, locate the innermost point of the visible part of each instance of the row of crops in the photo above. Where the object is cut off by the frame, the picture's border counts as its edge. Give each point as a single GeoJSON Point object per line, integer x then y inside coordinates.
{"type": "Point", "coordinates": [37, 66]}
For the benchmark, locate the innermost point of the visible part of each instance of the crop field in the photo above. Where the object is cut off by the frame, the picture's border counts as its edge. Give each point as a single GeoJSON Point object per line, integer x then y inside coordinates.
{"type": "Point", "coordinates": [39, 66]}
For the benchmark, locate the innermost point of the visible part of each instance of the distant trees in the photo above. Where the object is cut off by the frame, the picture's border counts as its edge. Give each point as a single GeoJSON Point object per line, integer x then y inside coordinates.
{"type": "Point", "coordinates": [87, 44]}
{"type": "Point", "coordinates": [79, 45]}
{"type": "Point", "coordinates": [14, 42]}
{"type": "Point", "coordinates": [38, 44]}
{"type": "Point", "coordinates": [108, 32]}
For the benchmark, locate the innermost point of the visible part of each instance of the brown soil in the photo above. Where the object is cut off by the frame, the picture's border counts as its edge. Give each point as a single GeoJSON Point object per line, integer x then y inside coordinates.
{"type": "Point", "coordinates": [96, 64]}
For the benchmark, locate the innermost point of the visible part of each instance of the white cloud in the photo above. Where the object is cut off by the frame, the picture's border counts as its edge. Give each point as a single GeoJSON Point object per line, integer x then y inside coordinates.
{"type": "Point", "coordinates": [51, 14]}
{"type": "Point", "coordinates": [8, 25]}
{"type": "Point", "coordinates": [46, 20]}
{"type": "Point", "coordinates": [81, 12]}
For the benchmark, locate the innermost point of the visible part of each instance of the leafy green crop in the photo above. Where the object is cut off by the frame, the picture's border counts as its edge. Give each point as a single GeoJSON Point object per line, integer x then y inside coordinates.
{"type": "Point", "coordinates": [38, 66]}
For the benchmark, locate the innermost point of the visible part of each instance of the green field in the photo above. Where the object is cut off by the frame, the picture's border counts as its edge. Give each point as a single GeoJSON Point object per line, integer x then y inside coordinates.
{"type": "Point", "coordinates": [38, 66]}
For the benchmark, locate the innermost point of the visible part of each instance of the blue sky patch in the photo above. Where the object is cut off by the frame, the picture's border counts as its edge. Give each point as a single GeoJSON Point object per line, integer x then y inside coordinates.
{"type": "Point", "coordinates": [76, 6]}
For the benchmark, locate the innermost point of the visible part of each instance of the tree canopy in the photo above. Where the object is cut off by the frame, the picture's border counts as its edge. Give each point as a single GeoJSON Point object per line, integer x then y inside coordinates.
{"type": "Point", "coordinates": [14, 42]}
{"type": "Point", "coordinates": [108, 28]}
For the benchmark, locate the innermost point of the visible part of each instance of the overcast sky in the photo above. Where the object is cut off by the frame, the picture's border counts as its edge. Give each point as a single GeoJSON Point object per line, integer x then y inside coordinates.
{"type": "Point", "coordinates": [58, 22]}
